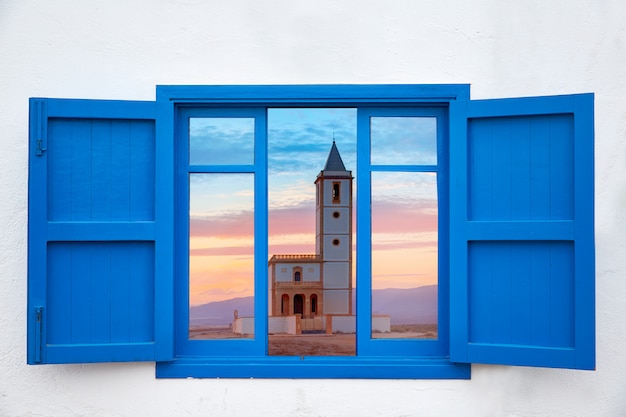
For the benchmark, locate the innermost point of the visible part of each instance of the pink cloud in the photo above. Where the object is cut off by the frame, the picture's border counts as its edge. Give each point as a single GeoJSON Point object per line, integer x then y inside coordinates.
{"type": "Point", "coordinates": [293, 249]}
{"type": "Point", "coordinates": [249, 250]}
{"type": "Point", "coordinates": [404, 245]}
{"type": "Point", "coordinates": [238, 224]}
{"type": "Point", "coordinates": [389, 217]}
{"type": "Point", "coordinates": [393, 217]}
{"type": "Point", "coordinates": [292, 220]}
{"type": "Point", "coordinates": [225, 251]}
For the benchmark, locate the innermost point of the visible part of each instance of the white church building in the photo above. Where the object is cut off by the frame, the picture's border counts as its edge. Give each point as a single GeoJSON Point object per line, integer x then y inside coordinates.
{"type": "Point", "coordinates": [317, 288]}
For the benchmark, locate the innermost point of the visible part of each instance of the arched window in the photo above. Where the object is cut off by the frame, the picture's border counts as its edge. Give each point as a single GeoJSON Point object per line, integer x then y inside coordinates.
{"type": "Point", "coordinates": [336, 193]}
{"type": "Point", "coordinates": [297, 274]}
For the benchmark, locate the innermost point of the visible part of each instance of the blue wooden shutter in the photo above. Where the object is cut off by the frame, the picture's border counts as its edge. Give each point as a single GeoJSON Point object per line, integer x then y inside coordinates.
{"type": "Point", "coordinates": [95, 248]}
{"type": "Point", "coordinates": [522, 251]}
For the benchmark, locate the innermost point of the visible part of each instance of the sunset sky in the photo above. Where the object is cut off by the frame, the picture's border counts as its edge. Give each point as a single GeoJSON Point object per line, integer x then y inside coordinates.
{"type": "Point", "coordinates": [404, 218]}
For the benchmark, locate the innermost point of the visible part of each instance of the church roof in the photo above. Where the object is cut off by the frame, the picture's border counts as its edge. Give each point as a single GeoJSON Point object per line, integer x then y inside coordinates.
{"type": "Point", "coordinates": [334, 162]}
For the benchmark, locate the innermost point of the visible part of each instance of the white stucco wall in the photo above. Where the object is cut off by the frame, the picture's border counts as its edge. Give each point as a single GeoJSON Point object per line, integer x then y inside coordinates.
{"type": "Point", "coordinates": [336, 302]}
{"type": "Point", "coordinates": [340, 224]}
{"type": "Point", "coordinates": [336, 275]}
{"type": "Point", "coordinates": [381, 324]}
{"type": "Point", "coordinates": [277, 325]}
{"type": "Point", "coordinates": [344, 324]}
{"type": "Point", "coordinates": [122, 49]}
{"type": "Point", "coordinates": [336, 248]}
{"type": "Point", "coordinates": [244, 325]}
{"type": "Point", "coordinates": [310, 271]}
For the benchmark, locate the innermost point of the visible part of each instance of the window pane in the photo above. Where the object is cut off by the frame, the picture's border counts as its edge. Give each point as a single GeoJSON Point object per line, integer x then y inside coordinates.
{"type": "Point", "coordinates": [221, 141]}
{"type": "Point", "coordinates": [312, 155]}
{"type": "Point", "coordinates": [403, 140]}
{"type": "Point", "coordinates": [221, 256]}
{"type": "Point", "coordinates": [404, 255]}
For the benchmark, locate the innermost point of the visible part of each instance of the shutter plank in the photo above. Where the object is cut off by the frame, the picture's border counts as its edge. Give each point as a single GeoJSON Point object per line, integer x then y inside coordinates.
{"type": "Point", "coordinates": [92, 232]}
{"type": "Point", "coordinates": [529, 244]}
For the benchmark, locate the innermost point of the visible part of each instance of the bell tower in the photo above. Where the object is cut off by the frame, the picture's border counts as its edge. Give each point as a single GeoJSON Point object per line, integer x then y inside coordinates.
{"type": "Point", "coordinates": [333, 243]}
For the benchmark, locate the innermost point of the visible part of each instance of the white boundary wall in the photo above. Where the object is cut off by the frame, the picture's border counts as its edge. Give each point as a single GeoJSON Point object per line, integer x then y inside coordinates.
{"type": "Point", "coordinates": [344, 324]}
{"type": "Point", "coordinates": [122, 49]}
{"type": "Point", "coordinates": [278, 325]}
{"type": "Point", "coordinates": [244, 325]}
{"type": "Point", "coordinates": [381, 324]}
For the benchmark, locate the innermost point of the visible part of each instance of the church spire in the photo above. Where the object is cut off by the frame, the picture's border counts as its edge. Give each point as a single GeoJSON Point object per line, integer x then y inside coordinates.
{"type": "Point", "coordinates": [334, 162]}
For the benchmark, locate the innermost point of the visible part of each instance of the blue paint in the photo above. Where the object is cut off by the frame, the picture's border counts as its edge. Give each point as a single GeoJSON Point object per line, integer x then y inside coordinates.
{"type": "Point", "coordinates": [91, 254]}
{"type": "Point", "coordinates": [522, 257]}
{"type": "Point", "coordinates": [107, 215]}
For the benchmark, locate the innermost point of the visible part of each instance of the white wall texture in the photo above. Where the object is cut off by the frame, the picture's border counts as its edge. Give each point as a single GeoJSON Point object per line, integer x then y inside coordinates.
{"type": "Point", "coordinates": [277, 325]}
{"type": "Point", "coordinates": [122, 49]}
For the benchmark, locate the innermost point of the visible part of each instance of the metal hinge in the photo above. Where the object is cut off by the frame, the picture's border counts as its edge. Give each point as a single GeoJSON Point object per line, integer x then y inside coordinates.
{"type": "Point", "coordinates": [38, 333]}
{"type": "Point", "coordinates": [40, 149]}
{"type": "Point", "coordinates": [40, 126]}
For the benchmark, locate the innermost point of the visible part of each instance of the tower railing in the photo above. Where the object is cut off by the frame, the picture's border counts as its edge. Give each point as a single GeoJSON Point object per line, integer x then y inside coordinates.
{"type": "Point", "coordinates": [296, 257]}
{"type": "Point", "coordinates": [299, 284]}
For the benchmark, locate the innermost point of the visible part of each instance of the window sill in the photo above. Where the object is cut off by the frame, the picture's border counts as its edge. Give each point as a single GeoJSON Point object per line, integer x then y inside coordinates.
{"type": "Point", "coordinates": [313, 367]}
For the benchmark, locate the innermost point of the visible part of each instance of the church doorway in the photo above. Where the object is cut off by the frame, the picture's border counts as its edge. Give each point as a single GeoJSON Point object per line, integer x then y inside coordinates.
{"type": "Point", "coordinates": [298, 304]}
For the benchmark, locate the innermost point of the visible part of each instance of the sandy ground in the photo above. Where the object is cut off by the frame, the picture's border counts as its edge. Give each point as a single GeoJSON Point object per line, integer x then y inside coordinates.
{"type": "Point", "coordinates": [318, 344]}
{"type": "Point", "coordinates": [203, 333]}
{"type": "Point", "coordinates": [312, 345]}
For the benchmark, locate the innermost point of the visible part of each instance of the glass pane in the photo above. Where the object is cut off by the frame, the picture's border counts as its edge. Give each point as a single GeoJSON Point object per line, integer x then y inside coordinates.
{"type": "Point", "coordinates": [404, 255]}
{"type": "Point", "coordinates": [221, 141]}
{"type": "Point", "coordinates": [312, 155]}
{"type": "Point", "coordinates": [221, 256]}
{"type": "Point", "coordinates": [403, 140]}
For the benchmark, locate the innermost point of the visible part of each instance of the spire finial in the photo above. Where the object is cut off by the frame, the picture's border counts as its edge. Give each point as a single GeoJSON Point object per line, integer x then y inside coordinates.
{"type": "Point", "coordinates": [334, 162]}
{"type": "Point", "coordinates": [333, 136]}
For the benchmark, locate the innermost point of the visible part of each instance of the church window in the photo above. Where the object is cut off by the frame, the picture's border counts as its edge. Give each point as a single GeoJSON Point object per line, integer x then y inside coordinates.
{"type": "Point", "coordinates": [335, 242]}
{"type": "Point", "coordinates": [297, 276]}
{"type": "Point", "coordinates": [313, 304]}
{"type": "Point", "coordinates": [129, 200]}
{"type": "Point", "coordinates": [336, 193]}
{"type": "Point", "coordinates": [336, 214]}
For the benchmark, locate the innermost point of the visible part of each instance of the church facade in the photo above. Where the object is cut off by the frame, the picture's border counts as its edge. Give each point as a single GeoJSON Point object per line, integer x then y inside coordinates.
{"type": "Point", "coordinates": [320, 284]}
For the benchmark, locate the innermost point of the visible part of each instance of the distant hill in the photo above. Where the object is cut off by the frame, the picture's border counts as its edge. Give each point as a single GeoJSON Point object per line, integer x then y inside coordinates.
{"type": "Point", "coordinates": [220, 312]}
{"type": "Point", "coordinates": [405, 306]}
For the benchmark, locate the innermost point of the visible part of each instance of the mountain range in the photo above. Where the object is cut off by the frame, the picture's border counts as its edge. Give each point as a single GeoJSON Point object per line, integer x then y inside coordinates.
{"type": "Point", "coordinates": [405, 306]}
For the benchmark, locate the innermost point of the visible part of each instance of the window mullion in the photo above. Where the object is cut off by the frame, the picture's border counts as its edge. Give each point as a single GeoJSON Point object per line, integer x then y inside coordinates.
{"type": "Point", "coordinates": [260, 234]}
{"type": "Point", "coordinates": [363, 235]}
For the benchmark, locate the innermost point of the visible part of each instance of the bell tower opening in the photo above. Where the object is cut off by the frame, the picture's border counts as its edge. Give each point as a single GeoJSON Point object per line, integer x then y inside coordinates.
{"type": "Point", "coordinates": [336, 193]}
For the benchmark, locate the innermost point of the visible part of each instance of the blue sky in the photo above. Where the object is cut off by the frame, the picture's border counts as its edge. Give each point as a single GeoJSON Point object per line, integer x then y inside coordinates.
{"type": "Point", "coordinates": [299, 140]}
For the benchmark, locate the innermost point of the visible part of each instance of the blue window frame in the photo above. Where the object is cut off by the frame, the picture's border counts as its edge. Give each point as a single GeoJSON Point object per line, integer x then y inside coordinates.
{"type": "Point", "coordinates": [108, 230]}
{"type": "Point", "coordinates": [256, 167]}
{"type": "Point", "coordinates": [368, 166]}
